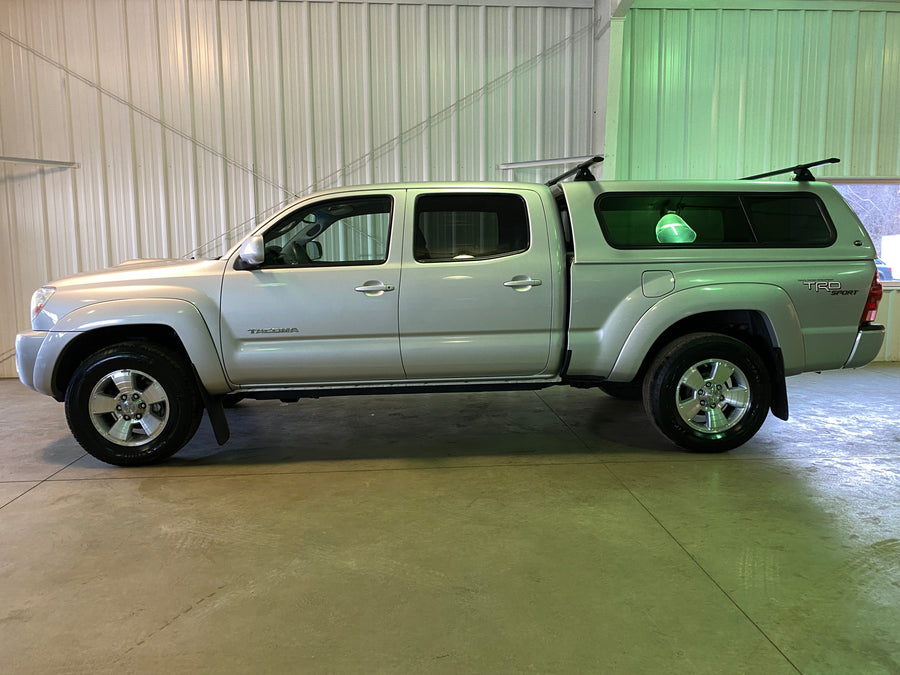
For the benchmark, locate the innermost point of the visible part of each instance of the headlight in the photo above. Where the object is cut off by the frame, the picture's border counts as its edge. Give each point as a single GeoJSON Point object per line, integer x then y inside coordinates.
{"type": "Point", "coordinates": [39, 299]}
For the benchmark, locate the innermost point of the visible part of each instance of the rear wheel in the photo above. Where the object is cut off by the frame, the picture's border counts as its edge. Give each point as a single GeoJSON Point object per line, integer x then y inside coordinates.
{"type": "Point", "coordinates": [707, 392]}
{"type": "Point", "coordinates": [133, 403]}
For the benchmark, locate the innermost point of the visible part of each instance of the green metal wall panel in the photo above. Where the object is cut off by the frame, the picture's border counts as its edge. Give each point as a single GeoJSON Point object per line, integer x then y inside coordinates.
{"type": "Point", "coordinates": [722, 93]}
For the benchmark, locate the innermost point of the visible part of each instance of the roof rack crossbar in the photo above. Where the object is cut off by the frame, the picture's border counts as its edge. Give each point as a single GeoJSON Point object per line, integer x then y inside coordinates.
{"type": "Point", "coordinates": [581, 172]}
{"type": "Point", "coordinates": [801, 171]}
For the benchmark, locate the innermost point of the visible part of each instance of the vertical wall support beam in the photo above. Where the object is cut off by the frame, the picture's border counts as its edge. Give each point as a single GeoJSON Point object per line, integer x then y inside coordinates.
{"type": "Point", "coordinates": [614, 95]}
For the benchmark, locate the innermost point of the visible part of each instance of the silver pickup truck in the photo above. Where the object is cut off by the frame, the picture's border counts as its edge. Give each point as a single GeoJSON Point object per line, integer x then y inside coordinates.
{"type": "Point", "coordinates": [697, 297]}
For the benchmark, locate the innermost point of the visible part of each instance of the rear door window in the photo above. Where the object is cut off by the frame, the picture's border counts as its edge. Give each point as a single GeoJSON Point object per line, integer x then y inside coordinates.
{"type": "Point", "coordinates": [452, 227]}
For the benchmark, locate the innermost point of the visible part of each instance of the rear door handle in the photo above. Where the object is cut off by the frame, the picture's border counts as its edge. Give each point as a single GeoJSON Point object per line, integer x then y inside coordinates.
{"type": "Point", "coordinates": [373, 288]}
{"type": "Point", "coordinates": [522, 283]}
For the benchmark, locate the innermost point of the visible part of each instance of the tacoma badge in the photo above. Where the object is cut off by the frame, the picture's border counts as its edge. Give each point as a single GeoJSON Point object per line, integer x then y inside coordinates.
{"type": "Point", "coordinates": [272, 331]}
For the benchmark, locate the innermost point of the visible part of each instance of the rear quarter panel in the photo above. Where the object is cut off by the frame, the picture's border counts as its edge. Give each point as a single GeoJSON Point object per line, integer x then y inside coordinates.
{"type": "Point", "coordinates": [812, 298]}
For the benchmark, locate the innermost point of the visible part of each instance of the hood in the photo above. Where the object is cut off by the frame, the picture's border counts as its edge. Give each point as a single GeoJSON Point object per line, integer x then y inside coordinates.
{"type": "Point", "coordinates": [143, 271]}
{"type": "Point", "coordinates": [195, 281]}
{"type": "Point", "coordinates": [151, 262]}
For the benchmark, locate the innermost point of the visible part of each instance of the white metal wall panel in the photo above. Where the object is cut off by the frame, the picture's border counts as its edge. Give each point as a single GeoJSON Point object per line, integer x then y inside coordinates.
{"type": "Point", "coordinates": [722, 93]}
{"type": "Point", "coordinates": [356, 114]}
{"type": "Point", "coordinates": [24, 186]}
{"type": "Point", "coordinates": [13, 298]}
{"type": "Point", "coordinates": [188, 118]}
{"type": "Point", "coordinates": [236, 105]}
{"type": "Point", "coordinates": [152, 217]}
{"type": "Point", "coordinates": [490, 118]}
{"type": "Point", "coordinates": [299, 139]}
{"type": "Point", "coordinates": [384, 159]}
{"type": "Point", "coordinates": [207, 121]}
{"type": "Point", "coordinates": [413, 91]}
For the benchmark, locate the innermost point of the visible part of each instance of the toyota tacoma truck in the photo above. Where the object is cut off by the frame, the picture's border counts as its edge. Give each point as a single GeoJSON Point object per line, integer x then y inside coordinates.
{"type": "Point", "coordinates": [697, 297]}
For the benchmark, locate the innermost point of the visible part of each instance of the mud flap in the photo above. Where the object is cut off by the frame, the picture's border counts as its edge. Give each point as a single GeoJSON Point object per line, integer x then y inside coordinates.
{"type": "Point", "coordinates": [779, 387]}
{"type": "Point", "coordinates": [216, 412]}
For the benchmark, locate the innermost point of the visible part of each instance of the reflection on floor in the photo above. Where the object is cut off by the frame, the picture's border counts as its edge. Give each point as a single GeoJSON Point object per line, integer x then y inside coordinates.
{"type": "Point", "coordinates": [550, 532]}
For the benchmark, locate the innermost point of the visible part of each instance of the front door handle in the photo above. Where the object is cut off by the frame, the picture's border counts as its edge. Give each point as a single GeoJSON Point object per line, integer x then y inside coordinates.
{"type": "Point", "coordinates": [521, 282]}
{"type": "Point", "coordinates": [373, 288]}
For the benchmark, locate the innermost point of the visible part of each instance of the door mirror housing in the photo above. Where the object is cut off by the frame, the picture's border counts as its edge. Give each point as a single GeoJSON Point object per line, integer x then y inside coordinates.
{"type": "Point", "coordinates": [253, 252]}
{"type": "Point", "coordinates": [314, 250]}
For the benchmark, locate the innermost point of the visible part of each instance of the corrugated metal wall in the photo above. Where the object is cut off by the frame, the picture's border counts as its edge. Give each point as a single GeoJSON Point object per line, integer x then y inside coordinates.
{"type": "Point", "coordinates": [188, 117]}
{"type": "Point", "coordinates": [724, 93]}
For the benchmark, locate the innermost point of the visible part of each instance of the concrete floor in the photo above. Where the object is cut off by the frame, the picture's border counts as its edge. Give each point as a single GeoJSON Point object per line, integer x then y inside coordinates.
{"type": "Point", "coordinates": [549, 532]}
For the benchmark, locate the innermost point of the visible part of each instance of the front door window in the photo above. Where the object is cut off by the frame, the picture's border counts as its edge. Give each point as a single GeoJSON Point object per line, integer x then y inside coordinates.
{"type": "Point", "coordinates": [337, 232]}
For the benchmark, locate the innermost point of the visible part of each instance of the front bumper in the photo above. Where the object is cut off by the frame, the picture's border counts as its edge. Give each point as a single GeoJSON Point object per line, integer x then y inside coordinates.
{"type": "Point", "coordinates": [28, 345]}
{"type": "Point", "coordinates": [868, 343]}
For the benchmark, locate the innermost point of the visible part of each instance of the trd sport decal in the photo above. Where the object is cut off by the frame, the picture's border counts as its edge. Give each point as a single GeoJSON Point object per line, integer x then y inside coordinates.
{"type": "Point", "coordinates": [826, 286]}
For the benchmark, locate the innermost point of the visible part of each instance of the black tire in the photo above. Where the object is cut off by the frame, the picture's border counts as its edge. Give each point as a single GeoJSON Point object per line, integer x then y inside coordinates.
{"type": "Point", "coordinates": [624, 391]}
{"type": "Point", "coordinates": [132, 404]}
{"type": "Point", "coordinates": [707, 392]}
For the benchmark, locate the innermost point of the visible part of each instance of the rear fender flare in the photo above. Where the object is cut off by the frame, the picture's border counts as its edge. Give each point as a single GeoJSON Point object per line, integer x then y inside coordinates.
{"type": "Point", "coordinates": [772, 302]}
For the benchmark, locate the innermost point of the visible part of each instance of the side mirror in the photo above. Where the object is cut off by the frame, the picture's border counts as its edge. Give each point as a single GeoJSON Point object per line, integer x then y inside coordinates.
{"type": "Point", "coordinates": [314, 250]}
{"type": "Point", "coordinates": [253, 252]}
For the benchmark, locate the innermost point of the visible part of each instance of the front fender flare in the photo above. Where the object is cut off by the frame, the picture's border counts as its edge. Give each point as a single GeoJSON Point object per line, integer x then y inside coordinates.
{"type": "Point", "coordinates": [181, 316]}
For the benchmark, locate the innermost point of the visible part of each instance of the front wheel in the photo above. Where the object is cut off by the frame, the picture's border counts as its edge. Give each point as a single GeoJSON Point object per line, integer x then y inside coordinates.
{"type": "Point", "coordinates": [133, 403]}
{"type": "Point", "coordinates": [707, 392]}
